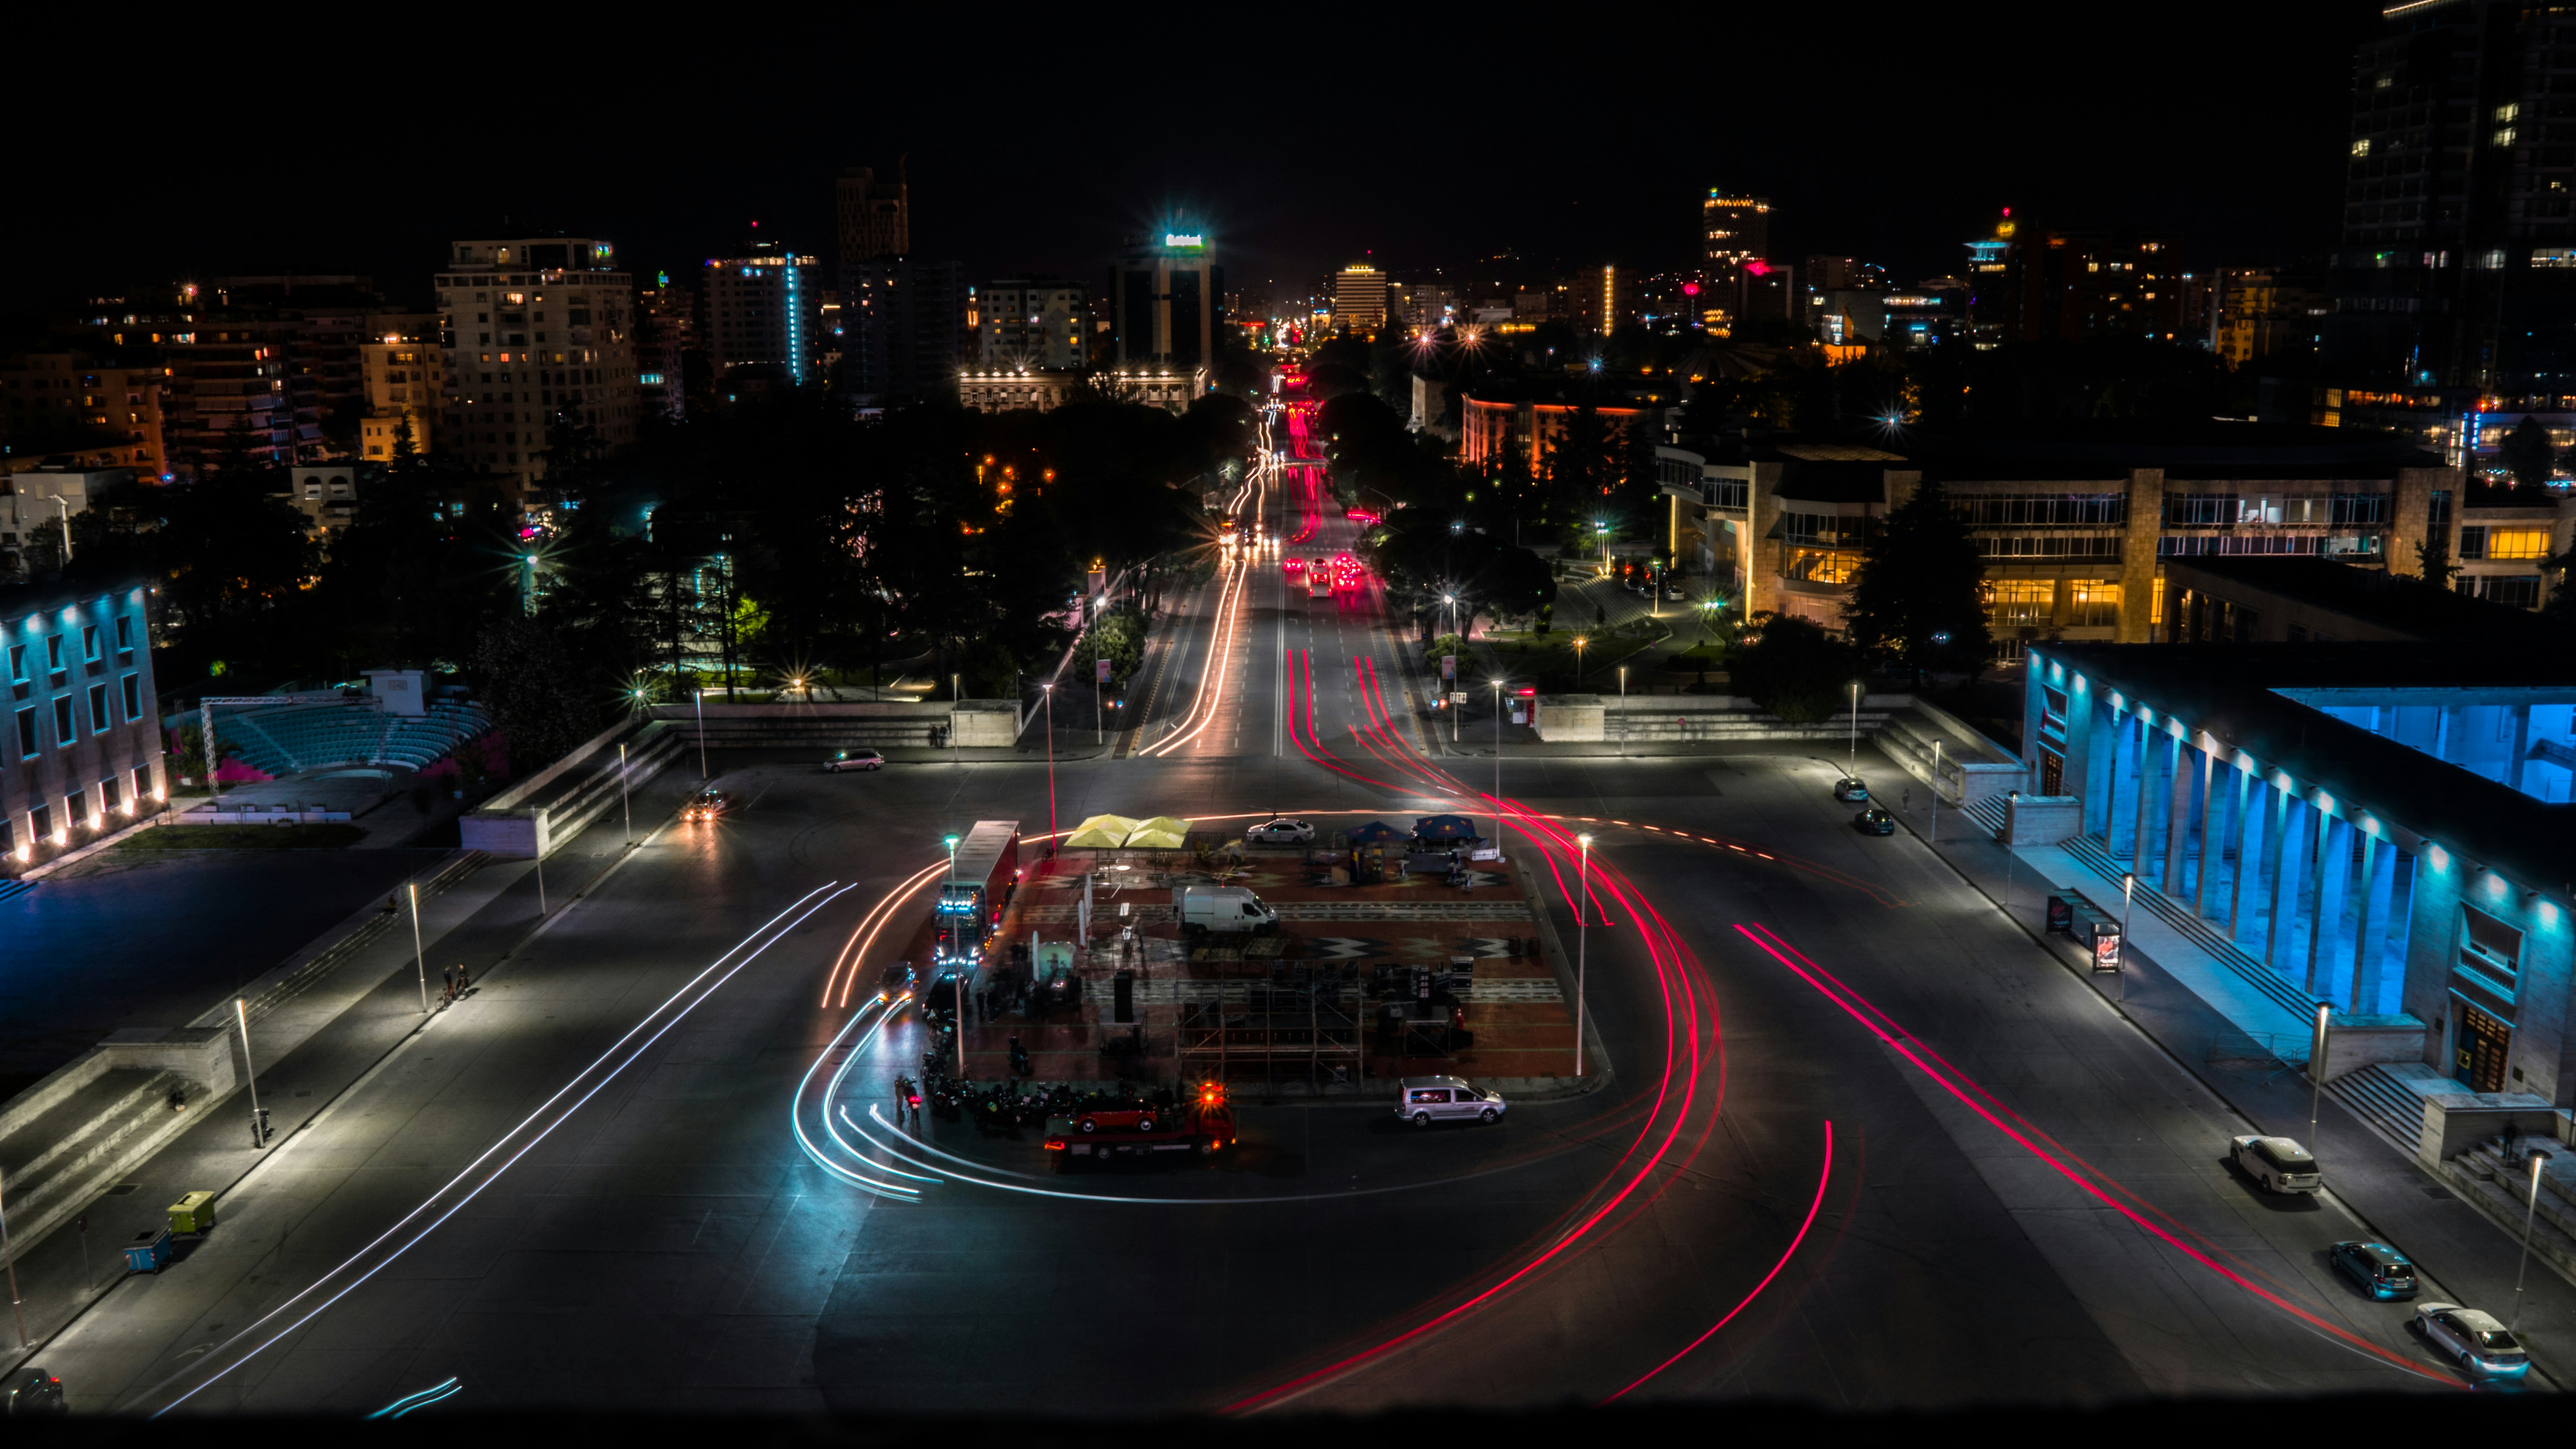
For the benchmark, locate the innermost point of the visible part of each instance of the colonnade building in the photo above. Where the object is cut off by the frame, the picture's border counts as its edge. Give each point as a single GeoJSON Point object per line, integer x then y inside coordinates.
{"type": "Point", "coordinates": [2380, 827]}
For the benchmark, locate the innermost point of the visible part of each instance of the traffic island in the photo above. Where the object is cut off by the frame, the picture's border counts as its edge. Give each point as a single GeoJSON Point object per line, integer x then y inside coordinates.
{"type": "Point", "coordinates": [1368, 965]}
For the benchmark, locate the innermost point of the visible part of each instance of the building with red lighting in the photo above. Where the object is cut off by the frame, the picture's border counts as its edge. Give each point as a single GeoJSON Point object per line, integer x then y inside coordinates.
{"type": "Point", "coordinates": [1501, 419]}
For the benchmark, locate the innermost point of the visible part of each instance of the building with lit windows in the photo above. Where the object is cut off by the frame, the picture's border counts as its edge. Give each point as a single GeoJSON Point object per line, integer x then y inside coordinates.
{"type": "Point", "coordinates": [96, 413]}
{"type": "Point", "coordinates": [1603, 300]}
{"type": "Point", "coordinates": [1167, 305]}
{"type": "Point", "coordinates": [533, 332]}
{"type": "Point", "coordinates": [1359, 297]}
{"type": "Point", "coordinates": [760, 311]}
{"type": "Point", "coordinates": [1507, 417]}
{"type": "Point", "coordinates": [1036, 322]}
{"type": "Point", "coordinates": [2377, 829]}
{"type": "Point", "coordinates": [81, 753]}
{"type": "Point", "coordinates": [403, 383]}
{"type": "Point", "coordinates": [2033, 285]}
{"type": "Point", "coordinates": [2077, 522]}
{"type": "Point", "coordinates": [905, 329]}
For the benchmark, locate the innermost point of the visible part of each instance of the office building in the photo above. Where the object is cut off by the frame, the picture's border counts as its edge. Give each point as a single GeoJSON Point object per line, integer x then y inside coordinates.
{"type": "Point", "coordinates": [666, 334]}
{"type": "Point", "coordinates": [84, 409]}
{"type": "Point", "coordinates": [875, 216]}
{"type": "Point", "coordinates": [2266, 315]}
{"type": "Point", "coordinates": [1601, 300]}
{"type": "Point", "coordinates": [1359, 297]}
{"type": "Point", "coordinates": [2076, 522]}
{"type": "Point", "coordinates": [534, 332]}
{"type": "Point", "coordinates": [759, 310]}
{"type": "Point", "coordinates": [1733, 230]}
{"type": "Point", "coordinates": [1505, 419]}
{"type": "Point", "coordinates": [402, 373]}
{"type": "Point", "coordinates": [2370, 827]}
{"type": "Point", "coordinates": [81, 755]}
{"type": "Point", "coordinates": [993, 390]}
{"type": "Point", "coordinates": [1038, 322]}
{"type": "Point", "coordinates": [1924, 316]}
{"type": "Point", "coordinates": [2031, 284]}
{"type": "Point", "coordinates": [904, 330]}
{"type": "Point", "coordinates": [1166, 307]}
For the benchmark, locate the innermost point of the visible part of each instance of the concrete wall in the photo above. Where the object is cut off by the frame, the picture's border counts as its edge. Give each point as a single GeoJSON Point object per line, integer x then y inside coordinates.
{"type": "Point", "coordinates": [984, 724]}
{"type": "Point", "coordinates": [2453, 1120]}
{"type": "Point", "coordinates": [2042, 819]}
{"type": "Point", "coordinates": [1569, 718]}
{"type": "Point", "coordinates": [202, 1054]}
{"type": "Point", "coordinates": [2359, 1041]}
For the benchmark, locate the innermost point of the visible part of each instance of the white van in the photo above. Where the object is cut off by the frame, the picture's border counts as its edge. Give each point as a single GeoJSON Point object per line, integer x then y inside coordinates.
{"type": "Point", "coordinates": [1425, 1100]}
{"type": "Point", "coordinates": [1222, 910]}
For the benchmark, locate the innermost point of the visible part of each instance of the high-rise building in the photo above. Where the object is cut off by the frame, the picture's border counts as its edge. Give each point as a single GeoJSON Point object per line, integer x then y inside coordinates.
{"type": "Point", "coordinates": [1603, 299]}
{"type": "Point", "coordinates": [875, 216]}
{"type": "Point", "coordinates": [402, 375]}
{"type": "Point", "coordinates": [1734, 230]}
{"type": "Point", "coordinates": [1035, 322]}
{"type": "Point", "coordinates": [90, 411]}
{"type": "Point", "coordinates": [760, 311]}
{"type": "Point", "coordinates": [1359, 297]}
{"type": "Point", "coordinates": [2032, 285]}
{"type": "Point", "coordinates": [1167, 304]}
{"type": "Point", "coordinates": [2266, 313]}
{"type": "Point", "coordinates": [1845, 274]}
{"type": "Point", "coordinates": [666, 333]}
{"type": "Point", "coordinates": [536, 332]}
{"type": "Point", "coordinates": [904, 329]}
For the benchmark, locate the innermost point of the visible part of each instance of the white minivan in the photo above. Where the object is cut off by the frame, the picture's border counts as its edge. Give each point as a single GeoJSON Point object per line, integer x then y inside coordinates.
{"type": "Point", "coordinates": [1425, 1100]}
{"type": "Point", "coordinates": [1221, 910]}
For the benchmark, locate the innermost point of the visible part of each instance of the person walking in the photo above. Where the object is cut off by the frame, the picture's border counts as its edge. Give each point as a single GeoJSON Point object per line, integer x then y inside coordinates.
{"type": "Point", "coordinates": [447, 993]}
{"type": "Point", "coordinates": [464, 983]}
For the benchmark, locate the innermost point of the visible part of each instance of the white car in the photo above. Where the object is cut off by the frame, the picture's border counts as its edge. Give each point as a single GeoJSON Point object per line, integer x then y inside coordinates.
{"type": "Point", "coordinates": [1425, 1100]}
{"type": "Point", "coordinates": [1281, 832]}
{"type": "Point", "coordinates": [854, 760]}
{"type": "Point", "coordinates": [2482, 1347]}
{"type": "Point", "coordinates": [2277, 1164]}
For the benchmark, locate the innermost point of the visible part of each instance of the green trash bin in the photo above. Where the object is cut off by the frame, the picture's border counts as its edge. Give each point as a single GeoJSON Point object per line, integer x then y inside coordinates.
{"type": "Point", "coordinates": [194, 1213]}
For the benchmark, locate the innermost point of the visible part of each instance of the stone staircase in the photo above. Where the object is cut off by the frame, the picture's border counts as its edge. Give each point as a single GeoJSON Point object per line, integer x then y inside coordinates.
{"type": "Point", "coordinates": [2383, 1100]}
{"type": "Point", "coordinates": [2176, 915]}
{"type": "Point", "coordinates": [74, 1150]}
{"type": "Point", "coordinates": [2498, 1183]}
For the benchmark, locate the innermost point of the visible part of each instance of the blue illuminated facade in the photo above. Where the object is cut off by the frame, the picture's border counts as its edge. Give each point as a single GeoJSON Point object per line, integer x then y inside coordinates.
{"type": "Point", "coordinates": [80, 751]}
{"type": "Point", "coordinates": [2382, 828]}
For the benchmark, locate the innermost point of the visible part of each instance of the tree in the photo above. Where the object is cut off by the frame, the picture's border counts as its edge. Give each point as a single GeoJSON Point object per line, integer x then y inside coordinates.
{"type": "Point", "coordinates": [538, 697]}
{"type": "Point", "coordinates": [2528, 453]}
{"type": "Point", "coordinates": [1795, 668]}
{"type": "Point", "coordinates": [1917, 595]}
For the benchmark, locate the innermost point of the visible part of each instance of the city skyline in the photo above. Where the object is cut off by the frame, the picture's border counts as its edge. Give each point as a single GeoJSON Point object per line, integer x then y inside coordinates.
{"type": "Point", "coordinates": [1899, 159]}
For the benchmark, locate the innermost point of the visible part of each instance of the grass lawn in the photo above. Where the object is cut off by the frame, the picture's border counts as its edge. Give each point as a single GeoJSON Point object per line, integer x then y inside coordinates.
{"type": "Point", "coordinates": [243, 837]}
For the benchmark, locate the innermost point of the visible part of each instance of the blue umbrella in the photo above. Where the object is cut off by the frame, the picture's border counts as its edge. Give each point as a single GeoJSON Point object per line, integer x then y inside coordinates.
{"type": "Point", "coordinates": [1442, 829]}
{"type": "Point", "coordinates": [1376, 832]}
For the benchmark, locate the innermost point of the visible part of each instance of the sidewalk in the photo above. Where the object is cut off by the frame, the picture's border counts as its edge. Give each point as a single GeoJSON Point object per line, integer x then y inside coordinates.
{"type": "Point", "coordinates": [312, 1051]}
{"type": "Point", "coordinates": [2370, 1177]}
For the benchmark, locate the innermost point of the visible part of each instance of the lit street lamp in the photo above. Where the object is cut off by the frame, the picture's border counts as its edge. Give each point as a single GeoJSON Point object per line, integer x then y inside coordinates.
{"type": "Point", "coordinates": [1498, 767]}
{"type": "Point", "coordinates": [1582, 917]}
{"type": "Point", "coordinates": [1048, 689]}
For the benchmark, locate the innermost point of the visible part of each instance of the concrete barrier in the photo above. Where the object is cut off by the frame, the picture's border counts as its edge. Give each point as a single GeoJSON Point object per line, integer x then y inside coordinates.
{"type": "Point", "coordinates": [2455, 1120]}
{"type": "Point", "coordinates": [1568, 718]}
{"type": "Point", "coordinates": [2354, 1042]}
{"type": "Point", "coordinates": [2042, 819]}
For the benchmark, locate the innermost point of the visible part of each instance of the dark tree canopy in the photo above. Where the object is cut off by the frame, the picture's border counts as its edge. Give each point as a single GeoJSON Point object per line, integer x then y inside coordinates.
{"type": "Point", "coordinates": [1918, 595]}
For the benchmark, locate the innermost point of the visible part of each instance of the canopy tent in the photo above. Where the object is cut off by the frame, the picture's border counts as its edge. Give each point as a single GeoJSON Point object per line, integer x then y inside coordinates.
{"type": "Point", "coordinates": [1101, 832]}
{"type": "Point", "coordinates": [1376, 832]}
{"type": "Point", "coordinates": [1160, 833]}
{"type": "Point", "coordinates": [1443, 829]}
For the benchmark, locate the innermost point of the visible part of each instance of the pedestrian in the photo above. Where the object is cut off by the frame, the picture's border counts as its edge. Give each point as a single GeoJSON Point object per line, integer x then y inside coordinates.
{"type": "Point", "coordinates": [448, 975]}
{"type": "Point", "coordinates": [1908, 803]}
{"type": "Point", "coordinates": [464, 983]}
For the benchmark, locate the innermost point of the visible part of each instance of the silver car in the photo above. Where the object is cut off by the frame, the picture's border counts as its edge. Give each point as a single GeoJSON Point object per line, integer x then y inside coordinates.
{"type": "Point", "coordinates": [2482, 1347]}
{"type": "Point", "coordinates": [2277, 1164]}
{"type": "Point", "coordinates": [853, 760]}
{"type": "Point", "coordinates": [1281, 832]}
{"type": "Point", "coordinates": [1425, 1100]}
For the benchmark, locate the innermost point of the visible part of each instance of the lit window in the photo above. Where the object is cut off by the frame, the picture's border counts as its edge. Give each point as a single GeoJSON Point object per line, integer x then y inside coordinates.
{"type": "Point", "coordinates": [2517, 543]}
{"type": "Point", "coordinates": [2361, 147]}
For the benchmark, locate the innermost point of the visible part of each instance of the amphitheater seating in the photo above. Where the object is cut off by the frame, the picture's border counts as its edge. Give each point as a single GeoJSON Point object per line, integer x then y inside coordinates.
{"type": "Point", "coordinates": [295, 737]}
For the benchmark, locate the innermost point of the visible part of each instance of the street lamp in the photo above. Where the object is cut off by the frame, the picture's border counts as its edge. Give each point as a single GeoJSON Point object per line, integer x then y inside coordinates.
{"type": "Point", "coordinates": [957, 1000]}
{"type": "Point", "coordinates": [1048, 689]}
{"type": "Point", "coordinates": [1623, 711]}
{"type": "Point", "coordinates": [1498, 767]}
{"type": "Point", "coordinates": [1582, 893]}
{"type": "Point", "coordinates": [1851, 760]}
{"type": "Point", "coordinates": [2317, 1073]}
{"type": "Point", "coordinates": [2128, 889]}
{"type": "Point", "coordinates": [2012, 800]}
{"type": "Point", "coordinates": [2530, 1208]}
{"type": "Point", "coordinates": [1578, 661]}
{"type": "Point", "coordinates": [623, 803]}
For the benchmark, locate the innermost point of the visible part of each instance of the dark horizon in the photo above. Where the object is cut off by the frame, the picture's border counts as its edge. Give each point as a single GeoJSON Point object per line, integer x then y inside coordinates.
{"type": "Point", "coordinates": [1895, 147]}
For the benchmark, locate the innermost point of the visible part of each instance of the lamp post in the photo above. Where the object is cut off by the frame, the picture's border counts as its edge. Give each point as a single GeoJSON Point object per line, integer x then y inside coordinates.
{"type": "Point", "coordinates": [7, 1257]}
{"type": "Point", "coordinates": [2128, 890]}
{"type": "Point", "coordinates": [1936, 806]}
{"type": "Point", "coordinates": [1851, 757]}
{"type": "Point", "coordinates": [2530, 1207]}
{"type": "Point", "coordinates": [1623, 711]}
{"type": "Point", "coordinates": [1498, 767]}
{"type": "Point", "coordinates": [1578, 661]}
{"type": "Point", "coordinates": [2013, 797]}
{"type": "Point", "coordinates": [701, 696]}
{"type": "Point", "coordinates": [1448, 682]}
{"type": "Point", "coordinates": [2316, 1067]}
{"type": "Point", "coordinates": [1048, 689]}
{"type": "Point", "coordinates": [250, 1074]}
{"type": "Point", "coordinates": [1582, 916]}
{"type": "Point", "coordinates": [958, 998]}
{"type": "Point", "coordinates": [419, 958]}
{"type": "Point", "coordinates": [622, 802]}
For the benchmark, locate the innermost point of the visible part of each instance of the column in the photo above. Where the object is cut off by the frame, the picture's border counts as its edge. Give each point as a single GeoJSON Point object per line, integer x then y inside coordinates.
{"type": "Point", "coordinates": [2120, 828]}
{"type": "Point", "coordinates": [2448, 725]}
{"type": "Point", "coordinates": [2294, 836]}
{"type": "Point", "coordinates": [2515, 762]}
{"type": "Point", "coordinates": [2151, 768]}
{"type": "Point", "coordinates": [2370, 938]}
{"type": "Point", "coordinates": [2327, 981]}
{"type": "Point", "coordinates": [2253, 843]}
{"type": "Point", "coordinates": [2217, 827]}
{"type": "Point", "coordinates": [2178, 816]}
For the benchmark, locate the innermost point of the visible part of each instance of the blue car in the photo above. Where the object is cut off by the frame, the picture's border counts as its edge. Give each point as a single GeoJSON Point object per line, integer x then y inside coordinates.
{"type": "Point", "coordinates": [2378, 1269]}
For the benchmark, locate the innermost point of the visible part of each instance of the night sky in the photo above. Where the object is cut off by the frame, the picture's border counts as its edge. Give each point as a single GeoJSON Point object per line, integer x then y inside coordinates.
{"type": "Point", "coordinates": [1300, 140]}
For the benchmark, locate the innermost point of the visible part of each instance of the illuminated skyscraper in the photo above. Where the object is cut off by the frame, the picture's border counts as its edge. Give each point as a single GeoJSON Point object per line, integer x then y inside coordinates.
{"type": "Point", "coordinates": [1359, 297]}
{"type": "Point", "coordinates": [1167, 297]}
{"type": "Point", "coordinates": [1734, 230]}
{"type": "Point", "coordinates": [875, 216]}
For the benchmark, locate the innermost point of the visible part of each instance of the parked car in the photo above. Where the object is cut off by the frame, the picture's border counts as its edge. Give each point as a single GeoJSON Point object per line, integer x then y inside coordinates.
{"type": "Point", "coordinates": [894, 981]}
{"type": "Point", "coordinates": [1850, 790]}
{"type": "Point", "coordinates": [1425, 1100]}
{"type": "Point", "coordinates": [1874, 821]}
{"type": "Point", "coordinates": [2380, 1270]}
{"type": "Point", "coordinates": [706, 805]}
{"type": "Point", "coordinates": [853, 760]}
{"type": "Point", "coordinates": [33, 1392]}
{"type": "Point", "coordinates": [2482, 1347]}
{"type": "Point", "coordinates": [2277, 1164]}
{"type": "Point", "coordinates": [1281, 832]}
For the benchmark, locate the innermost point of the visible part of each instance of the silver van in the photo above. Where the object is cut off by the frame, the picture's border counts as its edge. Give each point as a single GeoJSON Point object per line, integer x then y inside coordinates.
{"type": "Point", "coordinates": [1425, 1100]}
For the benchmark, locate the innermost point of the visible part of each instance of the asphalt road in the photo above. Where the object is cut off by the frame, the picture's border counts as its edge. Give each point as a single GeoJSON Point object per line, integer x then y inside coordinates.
{"type": "Point", "coordinates": [1884, 1167]}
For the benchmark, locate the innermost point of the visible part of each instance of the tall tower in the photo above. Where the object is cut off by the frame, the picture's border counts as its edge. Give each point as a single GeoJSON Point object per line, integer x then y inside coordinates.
{"type": "Point", "coordinates": [1734, 230]}
{"type": "Point", "coordinates": [876, 216]}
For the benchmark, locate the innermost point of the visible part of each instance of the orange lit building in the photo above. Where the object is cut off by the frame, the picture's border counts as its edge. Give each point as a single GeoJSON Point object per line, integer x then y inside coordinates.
{"type": "Point", "coordinates": [1497, 425]}
{"type": "Point", "coordinates": [69, 406]}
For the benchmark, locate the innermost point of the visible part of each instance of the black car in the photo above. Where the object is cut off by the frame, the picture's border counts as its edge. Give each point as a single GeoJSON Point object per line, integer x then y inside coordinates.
{"type": "Point", "coordinates": [896, 981]}
{"type": "Point", "coordinates": [1874, 821]}
{"type": "Point", "coordinates": [32, 1392]}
